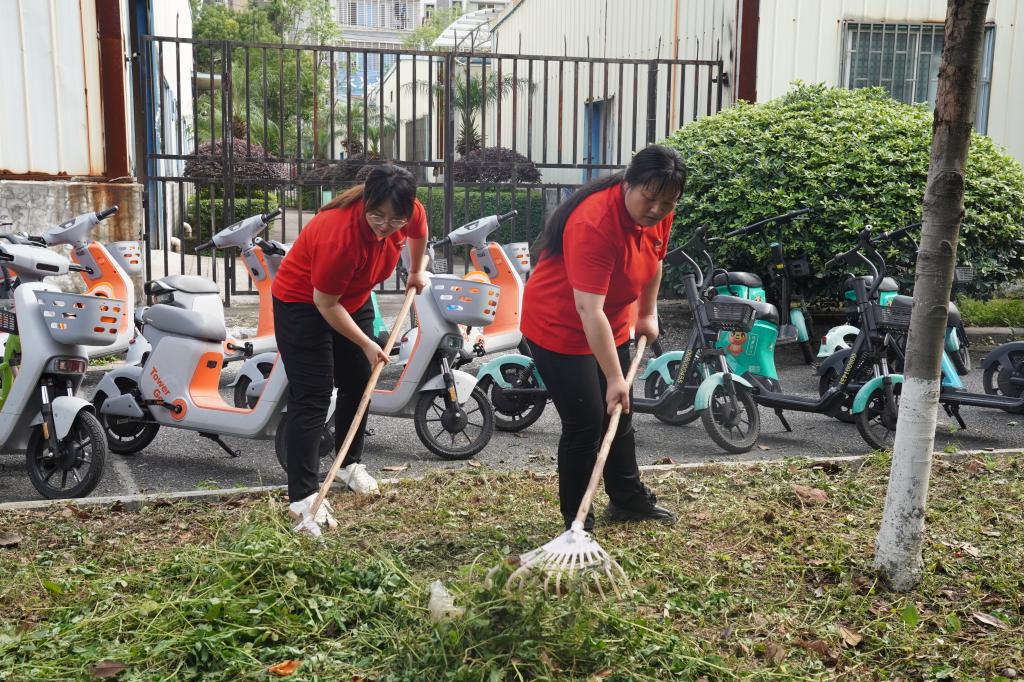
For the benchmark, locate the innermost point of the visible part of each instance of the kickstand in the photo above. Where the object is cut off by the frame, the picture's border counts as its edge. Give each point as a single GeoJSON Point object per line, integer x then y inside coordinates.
{"type": "Point", "coordinates": [220, 441]}
{"type": "Point", "coordinates": [954, 412]}
{"type": "Point", "coordinates": [785, 422]}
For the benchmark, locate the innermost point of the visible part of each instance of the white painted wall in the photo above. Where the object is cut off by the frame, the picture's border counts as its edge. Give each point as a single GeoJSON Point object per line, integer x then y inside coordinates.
{"type": "Point", "coordinates": [801, 40]}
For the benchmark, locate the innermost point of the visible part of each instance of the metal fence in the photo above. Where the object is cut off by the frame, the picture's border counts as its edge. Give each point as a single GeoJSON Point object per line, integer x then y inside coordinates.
{"type": "Point", "coordinates": [236, 128]}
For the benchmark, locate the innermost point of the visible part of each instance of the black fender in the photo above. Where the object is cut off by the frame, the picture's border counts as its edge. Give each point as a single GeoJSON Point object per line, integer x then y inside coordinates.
{"type": "Point", "coordinates": [999, 355]}
{"type": "Point", "coordinates": [835, 361]}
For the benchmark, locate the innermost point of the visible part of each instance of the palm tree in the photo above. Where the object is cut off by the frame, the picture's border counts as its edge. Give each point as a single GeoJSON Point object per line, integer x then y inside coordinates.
{"type": "Point", "coordinates": [469, 95]}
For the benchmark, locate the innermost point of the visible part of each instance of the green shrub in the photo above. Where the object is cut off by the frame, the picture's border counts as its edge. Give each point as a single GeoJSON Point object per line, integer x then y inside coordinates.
{"type": "Point", "coordinates": [478, 204]}
{"type": "Point", "coordinates": [211, 211]}
{"type": "Point", "coordinates": [856, 157]}
{"type": "Point", "coordinates": [997, 312]}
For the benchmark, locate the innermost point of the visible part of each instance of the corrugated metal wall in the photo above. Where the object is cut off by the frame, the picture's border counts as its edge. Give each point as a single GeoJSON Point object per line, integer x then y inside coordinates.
{"type": "Point", "coordinates": [800, 40]}
{"type": "Point", "coordinates": [51, 120]}
{"type": "Point", "coordinates": [617, 29]}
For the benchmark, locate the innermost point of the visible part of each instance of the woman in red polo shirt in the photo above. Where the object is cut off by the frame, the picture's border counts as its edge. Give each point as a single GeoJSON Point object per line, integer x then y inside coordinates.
{"type": "Point", "coordinates": [323, 319]}
{"type": "Point", "coordinates": [600, 252]}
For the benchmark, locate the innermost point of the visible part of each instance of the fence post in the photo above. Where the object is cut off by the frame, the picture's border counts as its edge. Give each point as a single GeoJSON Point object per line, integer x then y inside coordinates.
{"type": "Point", "coordinates": [652, 101]}
{"type": "Point", "coordinates": [449, 155]}
{"type": "Point", "coordinates": [228, 166]}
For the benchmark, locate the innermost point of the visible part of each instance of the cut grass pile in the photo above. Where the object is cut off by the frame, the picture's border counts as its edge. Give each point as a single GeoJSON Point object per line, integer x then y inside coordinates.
{"type": "Point", "coordinates": [766, 575]}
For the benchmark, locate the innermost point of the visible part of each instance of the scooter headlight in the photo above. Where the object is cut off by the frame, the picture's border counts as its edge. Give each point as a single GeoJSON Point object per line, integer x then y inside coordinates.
{"type": "Point", "coordinates": [67, 365]}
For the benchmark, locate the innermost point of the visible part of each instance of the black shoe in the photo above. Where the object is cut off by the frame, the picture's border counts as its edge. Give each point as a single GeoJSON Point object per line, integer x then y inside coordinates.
{"type": "Point", "coordinates": [641, 508]}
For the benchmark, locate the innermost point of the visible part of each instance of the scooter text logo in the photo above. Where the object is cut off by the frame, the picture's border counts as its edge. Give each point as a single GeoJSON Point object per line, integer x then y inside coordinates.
{"type": "Point", "coordinates": [161, 387]}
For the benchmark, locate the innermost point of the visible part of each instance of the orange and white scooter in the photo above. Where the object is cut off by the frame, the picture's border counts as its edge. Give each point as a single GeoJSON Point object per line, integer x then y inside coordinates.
{"type": "Point", "coordinates": [107, 270]}
{"type": "Point", "coordinates": [503, 267]}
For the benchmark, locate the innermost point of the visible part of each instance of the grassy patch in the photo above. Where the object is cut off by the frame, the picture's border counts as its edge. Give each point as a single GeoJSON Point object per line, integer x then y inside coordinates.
{"type": "Point", "coordinates": [752, 582]}
{"type": "Point", "coordinates": [996, 312]}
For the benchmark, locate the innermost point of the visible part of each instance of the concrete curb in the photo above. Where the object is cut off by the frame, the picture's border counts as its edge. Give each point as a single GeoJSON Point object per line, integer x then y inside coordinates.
{"type": "Point", "coordinates": [140, 501]}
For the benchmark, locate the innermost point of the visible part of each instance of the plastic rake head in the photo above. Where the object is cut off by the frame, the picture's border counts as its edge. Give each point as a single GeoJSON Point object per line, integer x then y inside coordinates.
{"type": "Point", "coordinates": [308, 527]}
{"type": "Point", "coordinates": [572, 554]}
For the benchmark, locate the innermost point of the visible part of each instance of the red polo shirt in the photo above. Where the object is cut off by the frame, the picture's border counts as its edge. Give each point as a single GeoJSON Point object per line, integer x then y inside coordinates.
{"type": "Point", "coordinates": [337, 253]}
{"type": "Point", "coordinates": [603, 252]}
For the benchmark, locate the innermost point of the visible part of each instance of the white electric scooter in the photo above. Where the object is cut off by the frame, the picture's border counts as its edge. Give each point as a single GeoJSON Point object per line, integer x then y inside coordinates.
{"type": "Point", "coordinates": [260, 258]}
{"type": "Point", "coordinates": [452, 416]}
{"type": "Point", "coordinates": [44, 361]}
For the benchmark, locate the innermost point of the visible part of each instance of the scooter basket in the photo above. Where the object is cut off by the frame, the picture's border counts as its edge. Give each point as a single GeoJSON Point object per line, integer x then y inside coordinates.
{"type": "Point", "coordinates": [74, 319]}
{"type": "Point", "coordinates": [730, 317]}
{"type": "Point", "coordinates": [128, 255]}
{"type": "Point", "coordinates": [519, 254]}
{"type": "Point", "coordinates": [464, 301]}
{"type": "Point", "coordinates": [893, 318]}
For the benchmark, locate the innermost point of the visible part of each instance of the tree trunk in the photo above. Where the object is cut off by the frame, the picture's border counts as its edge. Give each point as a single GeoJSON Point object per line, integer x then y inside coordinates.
{"type": "Point", "coordinates": [900, 539]}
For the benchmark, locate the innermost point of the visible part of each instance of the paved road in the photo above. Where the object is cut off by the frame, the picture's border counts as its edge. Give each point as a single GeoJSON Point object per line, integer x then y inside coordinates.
{"type": "Point", "coordinates": [181, 460]}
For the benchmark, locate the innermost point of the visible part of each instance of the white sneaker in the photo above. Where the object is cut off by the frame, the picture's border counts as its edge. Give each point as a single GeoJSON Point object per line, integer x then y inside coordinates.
{"type": "Point", "coordinates": [299, 511]}
{"type": "Point", "coordinates": [358, 479]}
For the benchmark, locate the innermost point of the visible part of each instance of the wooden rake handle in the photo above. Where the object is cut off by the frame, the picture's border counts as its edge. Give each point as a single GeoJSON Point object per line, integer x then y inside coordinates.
{"type": "Point", "coordinates": [609, 436]}
{"type": "Point", "coordinates": [364, 403]}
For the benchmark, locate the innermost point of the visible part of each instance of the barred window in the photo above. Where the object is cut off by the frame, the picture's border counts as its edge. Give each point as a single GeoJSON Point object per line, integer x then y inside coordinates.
{"type": "Point", "coordinates": [904, 59]}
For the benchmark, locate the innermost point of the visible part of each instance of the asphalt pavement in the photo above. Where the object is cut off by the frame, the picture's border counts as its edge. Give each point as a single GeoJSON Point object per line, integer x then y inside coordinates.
{"type": "Point", "coordinates": [182, 460]}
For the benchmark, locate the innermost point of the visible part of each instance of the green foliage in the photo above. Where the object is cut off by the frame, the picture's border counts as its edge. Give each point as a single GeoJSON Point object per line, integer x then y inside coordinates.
{"type": "Point", "coordinates": [293, 83]}
{"type": "Point", "coordinates": [997, 312]}
{"type": "Point", "coordinates": [212, 218]}
{"type": "Point", "coordinates": [856, 157]}
{"type": "Point", "coordinates": [479, 203]}
{"type": "Point", "coordinates": [469, 96]}
{"type": "Point", "coordinates": [423, 36]}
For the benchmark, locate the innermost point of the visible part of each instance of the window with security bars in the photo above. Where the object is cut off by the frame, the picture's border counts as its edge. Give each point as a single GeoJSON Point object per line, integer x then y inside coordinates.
{"type": "Point", "coordinates": [904, 59]}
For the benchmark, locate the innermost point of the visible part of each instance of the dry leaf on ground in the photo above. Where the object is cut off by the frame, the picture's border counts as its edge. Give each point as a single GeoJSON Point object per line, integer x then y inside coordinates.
{"type": "Point", "coordinates": [809, 495]}
{"type": "Point", "coordinates": [285, 668]}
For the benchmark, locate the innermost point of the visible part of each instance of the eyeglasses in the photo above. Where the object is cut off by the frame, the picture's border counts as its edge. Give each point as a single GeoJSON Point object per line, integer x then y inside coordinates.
{"type": "Point", "coordinates": [377, 220]}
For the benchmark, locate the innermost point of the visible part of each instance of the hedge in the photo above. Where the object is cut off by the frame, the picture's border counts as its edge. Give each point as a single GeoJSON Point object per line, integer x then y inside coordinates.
{"type": "Point", "coordinates": [254, 201]}
{"type": "Point", "coordinates": [855, 157]}
{"type": "Point", "coordinates": [479, 203]}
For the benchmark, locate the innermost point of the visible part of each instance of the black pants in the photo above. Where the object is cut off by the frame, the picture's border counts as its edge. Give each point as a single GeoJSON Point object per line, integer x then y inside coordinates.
{"type": "Point", "coordinates": [577, 387]}
{"type": "Point", "coordinates": [317, 359]}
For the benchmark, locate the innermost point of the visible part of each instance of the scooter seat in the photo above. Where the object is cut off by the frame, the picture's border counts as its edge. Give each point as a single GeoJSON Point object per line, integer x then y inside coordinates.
{"type": "Point", "coordinates": [952, 318]}
{"type": "Point", "coordinates": [189, 284]}
{"type": "Point", "coordinates": [888, 283]}
{"type": "Point", "coordinates": [173, 320]}
{"type": "Point", "coordinates": [743, 279]}
{"type": "Point", "coordinates": [762, 311]}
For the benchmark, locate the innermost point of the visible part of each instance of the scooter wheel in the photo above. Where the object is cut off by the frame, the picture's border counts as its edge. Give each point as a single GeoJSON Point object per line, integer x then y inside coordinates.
{"type": "Point", "coordinates": [829, 379]}
{"type": "Point", "coordinates": [454, 435]}
{"type": "Point", "coordinates": [512, 413]}
{"type": "Point", "coordinates": [77, 468]}
{"type": "Point", "coordinates": [325, 450]}
{"type": "Point", "coordinates": [961, 360]}
{"type": "Point", "coordinates": [876, 428]}
{"type": "Point", "coordinates": [733, 430]}
{"type": "Point", "coordinates": [654, 386]}
{"type": "Point", "coordinates": [997, 378]}
{"type": "Point", "coordinates": [242, 387]}
{"type": "Point", "coordinates": [124, 437]}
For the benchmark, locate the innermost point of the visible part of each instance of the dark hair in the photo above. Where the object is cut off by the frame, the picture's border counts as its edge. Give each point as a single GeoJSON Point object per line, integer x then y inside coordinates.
{"type": "Point", "coordinates": [657, 166]}
{"type": "Point", "coordinates": [384, 183]}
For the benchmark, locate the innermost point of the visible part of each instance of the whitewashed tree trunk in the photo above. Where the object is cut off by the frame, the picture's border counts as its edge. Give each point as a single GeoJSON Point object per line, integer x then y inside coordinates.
{"type": "Point", "coordinates": [901, 536]}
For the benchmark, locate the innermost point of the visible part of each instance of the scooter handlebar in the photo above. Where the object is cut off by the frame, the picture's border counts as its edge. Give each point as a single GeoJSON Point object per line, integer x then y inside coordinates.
{"type": "Point", "coordinates": [898, 234]}
{"type": "Point", "coordinates": [268, 247]}
{"type": "Point", "coordinates": [204, 246]}
{"type": "Point", "coordinates": [267, 217]}
{"type": "Point", "coordinates": [783, 218]}
{"type": "Point", "coordinates": [508, 216]}
{"type": "Point", "coordinates": [106, 213]}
